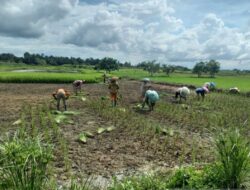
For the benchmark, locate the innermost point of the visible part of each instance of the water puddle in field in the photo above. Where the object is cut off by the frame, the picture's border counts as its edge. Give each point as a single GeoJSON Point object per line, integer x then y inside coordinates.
{"type": "Point", "coordinates": [27, 70]}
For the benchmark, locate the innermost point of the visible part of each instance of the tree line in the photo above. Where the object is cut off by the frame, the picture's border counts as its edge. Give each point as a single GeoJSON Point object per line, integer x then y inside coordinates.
{"type": "Point", "coordinates": [210, 67]}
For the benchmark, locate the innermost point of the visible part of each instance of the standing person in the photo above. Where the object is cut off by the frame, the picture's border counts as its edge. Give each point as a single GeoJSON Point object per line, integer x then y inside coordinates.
{"type": "Point", "coordinates": [143, 88]}
{"type": "Point", "coordinates": [104, 77]}
{"type": "Point", "coordinates": [150, 98]}
{"type": "Point", "coordinates": [113, 89]}
{"type": "Point", "coordinates": [201, 92]}
{"type": "Point", "coordinates": [77, 85]}
{"type": "Point", "coordinates": [61, 94]}
{"type": "Point", "coordinates": [182, 92]}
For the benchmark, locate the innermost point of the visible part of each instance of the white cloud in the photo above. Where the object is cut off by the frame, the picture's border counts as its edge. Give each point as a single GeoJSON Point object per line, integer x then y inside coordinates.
{"type": "Point", "coordinates": [28, 18]}
{"type": "Point", "coordinates": [126, 30]}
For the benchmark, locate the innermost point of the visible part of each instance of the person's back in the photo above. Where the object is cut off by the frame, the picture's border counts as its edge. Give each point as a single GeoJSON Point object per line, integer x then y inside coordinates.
{"type": "Point", "coordinates": [182, 92]}
{"type": "Point", "coordinates": [202, 91]}
{"type": "Point", "coordinates": [151, 97]}
{"type": "Point", "coordinates": [77, 85]}
{"type": "Point", "coordinates": [61, 94]}
{"type": "Point", "coordinates": [234, 90]}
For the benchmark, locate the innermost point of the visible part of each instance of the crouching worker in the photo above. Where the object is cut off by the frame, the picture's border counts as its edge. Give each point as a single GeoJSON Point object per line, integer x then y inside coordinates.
{"type": "Point", "coordinates": [210, 85]}
{"type": "Point", "coordinates": [61, 94]}
{"type": "Point", "coordinates": [143, 88]}
{"type": "Point", "coordinates": [234, 90]}
{"type": "Point", "coordinates": [182, 93]}
{"type": "Point", "coordinates": [113, 89]}
{"type": "Point", "coordinates": [150, 98]}
{"type": "Point", "coordinates": [201, 92]}
{"type": "Point", "coordinates": [77, 85]}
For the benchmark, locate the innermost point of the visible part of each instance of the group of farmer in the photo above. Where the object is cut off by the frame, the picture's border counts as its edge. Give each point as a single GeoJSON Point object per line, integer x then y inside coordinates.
{"type": "Point", "coordinates": [148, 96]}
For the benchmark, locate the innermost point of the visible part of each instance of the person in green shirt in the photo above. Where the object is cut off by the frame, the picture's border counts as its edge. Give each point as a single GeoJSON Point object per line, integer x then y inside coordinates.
{"type": "Point", "coordinates": [150, 98]}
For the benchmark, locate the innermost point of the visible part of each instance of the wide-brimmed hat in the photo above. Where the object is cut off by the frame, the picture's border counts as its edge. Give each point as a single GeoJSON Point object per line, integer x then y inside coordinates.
{"type": "Point", "coordinates": [146, 80]}
{"type": "Point", "coordinates": [114, 79]}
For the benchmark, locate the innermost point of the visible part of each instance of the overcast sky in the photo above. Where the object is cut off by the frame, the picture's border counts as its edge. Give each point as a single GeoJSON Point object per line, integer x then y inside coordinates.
{"type": "Point", "coordinates": [180, 32]}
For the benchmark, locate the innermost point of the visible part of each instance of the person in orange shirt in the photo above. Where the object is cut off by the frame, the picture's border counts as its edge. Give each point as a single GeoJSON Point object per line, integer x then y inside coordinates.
{"type": "Point", "coordinates": [61, 94]}
{"type": "Point", "coordinates": [113, 89]}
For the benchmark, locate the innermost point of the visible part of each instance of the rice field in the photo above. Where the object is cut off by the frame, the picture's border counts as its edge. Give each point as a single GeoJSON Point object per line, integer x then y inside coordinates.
{"type": "Point", "coordinates": [48, 77]}
{"type": "Point", "coordinates": [66, 74]}
{"type": "Point", "coordinates": [95, 146]}
{"type": "Point", "coordinates": [222, 81]}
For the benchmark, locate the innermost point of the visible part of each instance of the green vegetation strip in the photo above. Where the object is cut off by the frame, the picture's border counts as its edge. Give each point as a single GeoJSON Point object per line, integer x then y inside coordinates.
{"type": "Point", "coordinates": [224, 82]}
{"type": "Point", "coordinates": [43, 77]}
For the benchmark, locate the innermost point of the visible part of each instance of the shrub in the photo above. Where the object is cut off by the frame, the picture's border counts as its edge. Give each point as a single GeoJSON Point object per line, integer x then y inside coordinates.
{"type": "Point", "coordinates": [234, 158]}
{"type": "Point", "coordinates": [188, 178]}
{"type": "Point", "coordinates": [23, 163]}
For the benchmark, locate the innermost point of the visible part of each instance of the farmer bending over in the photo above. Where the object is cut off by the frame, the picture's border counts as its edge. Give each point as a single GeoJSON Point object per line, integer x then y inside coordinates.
{"type": "Point", "coordinates": [77, 85]}
{"type": "Point", "coordinates": [150, 98]}
{"type": "Point", "coordinates": [210, 85]}
{"type": "Point", "coordinates": [234, 90]}
{"type": "Point", "coordinates": [182, 93]}
{"type": "Point", "coordinates": [61, 94]}
{"type": "Point", "coordinates": [201, 92]}
{"type": "Point", "coordinates": [113, 89]}
{"type": "Point", "coordinates": [143, 88]}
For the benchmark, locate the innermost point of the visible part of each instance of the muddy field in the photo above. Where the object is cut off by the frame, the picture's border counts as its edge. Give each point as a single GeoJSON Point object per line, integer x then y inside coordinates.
{"type": "Point", "coordinates": [118, 153]}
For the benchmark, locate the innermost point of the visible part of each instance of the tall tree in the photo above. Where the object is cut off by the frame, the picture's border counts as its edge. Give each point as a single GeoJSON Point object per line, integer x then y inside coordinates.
{"type": "Point", "coordinates": [168, 69]}
{"type": "Point", "coordinates": [213, 67]}
{"type": "Point", "coordinates": [199, 68]}
{"type": "Point", "coordinates": [150, 66]}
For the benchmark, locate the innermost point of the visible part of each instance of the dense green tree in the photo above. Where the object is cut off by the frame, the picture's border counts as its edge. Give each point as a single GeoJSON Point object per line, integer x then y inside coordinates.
{"type": "Point", "coordinates": [199, 68]}
{"type": "Point", "coordinates": [150, 66]}
{"type": "Point", "coordinates": [168, 69]}
{"type": "Point", "coordinates": [212, 67]}
{"type": "Point", "coordinates": [108, 64]}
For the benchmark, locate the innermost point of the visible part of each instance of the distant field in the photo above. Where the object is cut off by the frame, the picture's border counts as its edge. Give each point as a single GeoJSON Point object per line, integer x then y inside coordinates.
{"type": "Point", "coordinates": [64, 74]}
{"type": "Point", "coordinates": [225, 82]}
{"type": "Point", "coordinates": [45, 77]}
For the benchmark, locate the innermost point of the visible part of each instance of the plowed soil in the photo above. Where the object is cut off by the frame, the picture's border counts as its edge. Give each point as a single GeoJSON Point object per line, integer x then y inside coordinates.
{"type": "Point", "coordinates": [119, 152]}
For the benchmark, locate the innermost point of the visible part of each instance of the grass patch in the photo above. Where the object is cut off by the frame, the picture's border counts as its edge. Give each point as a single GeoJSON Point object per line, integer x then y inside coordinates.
{"type": "Point", "coordinates": [43, 77]}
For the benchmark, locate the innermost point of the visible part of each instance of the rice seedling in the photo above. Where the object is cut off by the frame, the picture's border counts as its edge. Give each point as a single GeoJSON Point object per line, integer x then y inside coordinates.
{"type": "Point", "coordinates": [233, 157]}
{"type": "Point", "coordinates": [82, 137]}
{"type": "Point", "coordinates": [24, 162]}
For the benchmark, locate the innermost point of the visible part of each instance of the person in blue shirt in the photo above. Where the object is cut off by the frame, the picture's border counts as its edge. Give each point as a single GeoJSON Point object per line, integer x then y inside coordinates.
{"type": "Point", "coordinates": [150, 98]}
{"type": "Point", "coordinates": [201, 92]}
